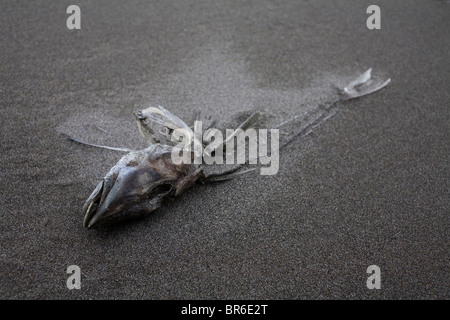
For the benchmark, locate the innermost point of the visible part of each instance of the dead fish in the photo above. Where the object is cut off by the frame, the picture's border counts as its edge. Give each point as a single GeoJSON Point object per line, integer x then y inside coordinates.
{"type": "Point", "coordinates": [140, 182]}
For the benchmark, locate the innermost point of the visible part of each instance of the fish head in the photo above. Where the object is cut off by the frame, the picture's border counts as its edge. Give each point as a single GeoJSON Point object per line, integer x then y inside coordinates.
{"type": "Point", "coordinates": [132, 191]}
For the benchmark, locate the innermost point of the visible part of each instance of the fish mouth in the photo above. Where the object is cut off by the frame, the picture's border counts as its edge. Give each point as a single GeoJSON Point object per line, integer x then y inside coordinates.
{"type": "Point", "coordinates": [91, 206]}
{"type": "Point", "coordinates": [104, 208]}
{"type": "Point", "coordinates": [103, 205]}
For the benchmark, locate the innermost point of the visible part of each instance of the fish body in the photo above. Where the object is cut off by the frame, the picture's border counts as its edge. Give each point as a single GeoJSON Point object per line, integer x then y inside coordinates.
{"type": "Point", "coordinates": [141, 180]}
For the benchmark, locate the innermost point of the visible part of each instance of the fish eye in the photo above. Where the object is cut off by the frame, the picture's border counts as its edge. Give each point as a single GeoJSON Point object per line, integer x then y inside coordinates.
{"type": "Point", "coordinates": [161, 189]}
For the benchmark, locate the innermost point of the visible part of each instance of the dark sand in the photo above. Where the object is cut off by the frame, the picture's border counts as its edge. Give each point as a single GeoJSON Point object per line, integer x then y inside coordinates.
{"type": "Point", "coordinates": [369, 186]}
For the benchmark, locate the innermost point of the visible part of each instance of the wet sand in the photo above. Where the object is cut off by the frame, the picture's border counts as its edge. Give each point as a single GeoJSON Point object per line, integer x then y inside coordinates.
{"type": "Point", "coordinates": [367, 187]}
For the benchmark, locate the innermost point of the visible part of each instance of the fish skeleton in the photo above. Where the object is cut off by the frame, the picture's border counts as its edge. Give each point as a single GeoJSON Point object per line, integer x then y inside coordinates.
{"type": "Point", "coordinates": [140, 182]}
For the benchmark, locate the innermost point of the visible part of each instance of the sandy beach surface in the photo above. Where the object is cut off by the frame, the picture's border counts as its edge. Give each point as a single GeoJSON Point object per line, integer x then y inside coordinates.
{"type": "Point", "coordinates": [369, 186]}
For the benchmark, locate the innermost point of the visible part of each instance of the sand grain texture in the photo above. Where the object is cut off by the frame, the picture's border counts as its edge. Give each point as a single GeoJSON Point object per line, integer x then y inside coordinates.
{"type": "Point", "coordinates": [369, 186]}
